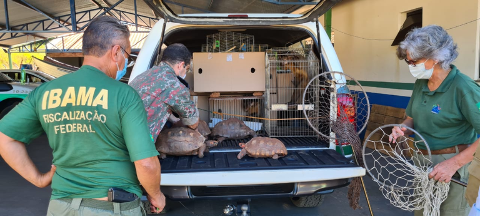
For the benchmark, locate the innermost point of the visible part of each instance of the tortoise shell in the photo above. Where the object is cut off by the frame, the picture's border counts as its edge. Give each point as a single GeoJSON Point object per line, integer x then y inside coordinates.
{"type": "Point", "coordinates": [263, 147]}
{"type": "Point", "coordinates": [232, 128]}
{"type": "Point", "coordinates": [180, 141]}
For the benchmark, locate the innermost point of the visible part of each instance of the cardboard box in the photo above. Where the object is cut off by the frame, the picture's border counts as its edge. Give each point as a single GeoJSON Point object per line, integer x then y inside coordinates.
{"type": "Point", "coordinates": [229, 72]}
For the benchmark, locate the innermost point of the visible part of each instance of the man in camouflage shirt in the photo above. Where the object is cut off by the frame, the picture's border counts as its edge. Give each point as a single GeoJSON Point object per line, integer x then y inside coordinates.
{"type": "Point", "coordinates": [163, 93]}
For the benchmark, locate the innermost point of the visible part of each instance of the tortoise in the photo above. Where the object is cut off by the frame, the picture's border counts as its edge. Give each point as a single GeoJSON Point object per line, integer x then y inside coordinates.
{"type": "Point", "coordinates": [231, 128]}
{"type": "Point", "coordinates": [263, 147]}
{"type": "Point", "coordinates": [181, 141]}
{"type": "Point", "coordinates": [204, 130]}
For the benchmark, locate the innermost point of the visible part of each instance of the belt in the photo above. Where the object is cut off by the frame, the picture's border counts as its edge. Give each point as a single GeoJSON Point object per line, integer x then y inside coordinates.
{"type": "Point", "coordinates": [449, 150]}
{"type": "Point", "coordinates": [105, 205]}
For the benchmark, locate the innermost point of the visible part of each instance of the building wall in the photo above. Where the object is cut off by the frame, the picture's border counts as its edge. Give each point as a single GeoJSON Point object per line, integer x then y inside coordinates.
{"type": "Point", "coordinates": [374, 62]}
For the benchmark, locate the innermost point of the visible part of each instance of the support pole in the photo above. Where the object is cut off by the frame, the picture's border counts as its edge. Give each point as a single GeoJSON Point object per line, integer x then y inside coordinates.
{"type": "Point", "coordinates": [5, 8]}
{"type": "Point", "coordinates": [136, 15]}
{"type": "Point", "coordinates": [9, 58]}
{"type": "Point", "coordinates": [73, 15]}
{"type": "Point", "coordinates": [327, 18]}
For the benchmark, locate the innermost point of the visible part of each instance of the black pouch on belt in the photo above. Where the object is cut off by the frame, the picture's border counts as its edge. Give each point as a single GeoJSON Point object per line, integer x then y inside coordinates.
{"type": "Point", "coordinates": [120, 196]}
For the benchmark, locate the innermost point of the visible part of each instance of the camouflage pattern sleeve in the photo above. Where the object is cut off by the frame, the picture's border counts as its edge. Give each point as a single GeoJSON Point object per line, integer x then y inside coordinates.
{"type": "Point", "coordinates": [179, 101]}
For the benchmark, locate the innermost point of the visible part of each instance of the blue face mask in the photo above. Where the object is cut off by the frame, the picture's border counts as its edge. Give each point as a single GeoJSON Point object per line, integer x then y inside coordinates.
{"type": "Point", "coordinates": [121, 73]}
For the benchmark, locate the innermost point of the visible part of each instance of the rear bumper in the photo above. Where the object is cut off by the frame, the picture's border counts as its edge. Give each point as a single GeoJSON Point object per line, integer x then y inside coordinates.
{"type": "Point", "coordinates": [253, 191]}
{"type": "Point", "coordinates": [259, 183]}
{"type": "Point", "coordinates": [259, 177]}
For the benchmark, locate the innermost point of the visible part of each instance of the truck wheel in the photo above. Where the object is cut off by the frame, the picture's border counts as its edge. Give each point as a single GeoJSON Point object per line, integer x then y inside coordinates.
{"type": "Point", "coordinates": [7, 109]}
{"type": "Point", "coordinates": [308, 201]}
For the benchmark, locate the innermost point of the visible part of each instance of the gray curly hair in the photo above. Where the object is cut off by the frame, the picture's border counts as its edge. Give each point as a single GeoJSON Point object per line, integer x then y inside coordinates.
{"type": "Point", "coordinates": [431, 42]}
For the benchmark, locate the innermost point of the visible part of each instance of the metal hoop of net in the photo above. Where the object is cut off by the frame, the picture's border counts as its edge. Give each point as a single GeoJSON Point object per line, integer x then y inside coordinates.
{"type": "Point", "coordinates": [333, 100]}
{"type": "Point", "coordinates": [401, 170]}
{"type": "Point", "coordinates": [337, 108]}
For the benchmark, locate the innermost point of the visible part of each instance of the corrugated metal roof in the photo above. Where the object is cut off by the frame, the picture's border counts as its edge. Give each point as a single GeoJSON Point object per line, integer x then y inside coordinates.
{"type": "Point", "coordinates": [19, 14]}
{"type": "Point", "coordinates": [73, 43]}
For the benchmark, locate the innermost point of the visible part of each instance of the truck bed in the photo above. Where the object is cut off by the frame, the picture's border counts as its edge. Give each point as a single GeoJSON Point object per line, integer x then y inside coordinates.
{"type": "Point", "coordinates": [292, 143]}
{"type": "Point", "coordinates": [224, 158]}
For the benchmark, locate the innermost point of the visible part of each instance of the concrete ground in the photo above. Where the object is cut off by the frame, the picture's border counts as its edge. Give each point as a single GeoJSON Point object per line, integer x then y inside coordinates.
{"type": "Point", "coordinates": [19, 197]}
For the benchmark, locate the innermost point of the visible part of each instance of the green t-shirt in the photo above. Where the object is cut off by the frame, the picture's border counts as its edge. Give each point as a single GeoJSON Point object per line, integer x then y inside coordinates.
{"type": "Point", "coordinates": [96, 127]}
{"type": "Point", "coordinates": [449, 115]}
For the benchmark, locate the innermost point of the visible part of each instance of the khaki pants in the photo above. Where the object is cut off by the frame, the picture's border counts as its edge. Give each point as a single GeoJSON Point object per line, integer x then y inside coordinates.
{"type": "Point", "coordinates": [87, 207]}
{"type": "Point", "coordinates": [456, 204]}
{"type": "Point", "coordinates": [472, 189]}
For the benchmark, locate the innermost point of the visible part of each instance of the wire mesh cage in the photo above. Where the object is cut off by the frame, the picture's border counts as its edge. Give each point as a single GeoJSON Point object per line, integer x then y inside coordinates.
{"type": "Point", "coordinates": [260, 47]}
{"type": "Point", "coordinates": [247, 109]}
{"type": "Point", "coordinates": [204, 48]}
{"type": "Point", "coordinates": [227, 41]}
{"type": "Point", "coordinates": [288, 73]}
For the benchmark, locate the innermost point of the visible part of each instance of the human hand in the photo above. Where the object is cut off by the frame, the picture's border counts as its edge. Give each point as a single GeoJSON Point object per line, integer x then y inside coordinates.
{"type": "Point", "coordinates": [194, 126]}
{"type": "Point", "coordinates": [444, 171]}
{"type": "Point", "coordinates": [178, 124]}
{"type": "Point", "coordinates": [396, 132]}
{"type": "Point", "coordinates": [157, 202]}
{"type": "Point", "coordinates": [45, 179]}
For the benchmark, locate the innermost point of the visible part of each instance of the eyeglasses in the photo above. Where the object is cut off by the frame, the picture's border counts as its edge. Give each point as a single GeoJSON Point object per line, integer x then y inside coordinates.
{"type": "Point", "coordinates": [413, 62]}
{"type": "Point", "coordinates": [410, 62]}
{"type": "Point", "coordinates": [131, 60]}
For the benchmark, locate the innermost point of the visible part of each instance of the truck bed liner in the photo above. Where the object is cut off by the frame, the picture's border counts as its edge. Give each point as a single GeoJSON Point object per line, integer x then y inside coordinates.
{"type": "Point", "coordinates": [227, 161]}
{"type": "Point", "coordinates": [290, 143]}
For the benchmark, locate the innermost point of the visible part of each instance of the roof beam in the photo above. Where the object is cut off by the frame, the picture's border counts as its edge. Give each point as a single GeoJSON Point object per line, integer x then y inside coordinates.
{"type": "Point", "coordinates": [4, 27]}
{"type": "Point", "coordinates": [187, 6]}
{"type": "Point", "coordinates": [100, 6]}
{"type": "Point", "coordinates": [110, 6]}
{"type": "Point", "coordinates": [50, 16]}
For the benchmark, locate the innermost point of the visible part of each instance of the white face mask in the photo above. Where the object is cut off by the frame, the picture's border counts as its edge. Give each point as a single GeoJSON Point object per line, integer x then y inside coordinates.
{"type": "Point", "coordinates": [420, 72]}
{"type": "Point", "coordinates": [185, 75]}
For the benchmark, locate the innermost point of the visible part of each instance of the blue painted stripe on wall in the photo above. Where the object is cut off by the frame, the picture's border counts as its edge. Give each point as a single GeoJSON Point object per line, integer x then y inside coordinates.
{"type": "Point", "coordinates": [388, 100]}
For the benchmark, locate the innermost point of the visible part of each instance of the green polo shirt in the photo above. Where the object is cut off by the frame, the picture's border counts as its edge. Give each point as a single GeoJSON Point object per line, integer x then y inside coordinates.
{"type": "Point", "coordinates": [449, 115]}
{"type": "Point", "coordinates": [96, 127]}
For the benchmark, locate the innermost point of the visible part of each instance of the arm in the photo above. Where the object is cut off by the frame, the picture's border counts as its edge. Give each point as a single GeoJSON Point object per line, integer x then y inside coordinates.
{"type": "Point", "coordinates": [21, 125]}
{"type": "Point", "coordinates": [148, 173]}
{"type": "Point", "coordinates": [444, 171]}
{"type": "Point", "coordinates": [141, 148]}
{"type": "Point", "coordinates": [16, 156]}
{"type": "Point", "coordinates": [180, 102]}
{"type": "Point", "coordinates": [397, 131]}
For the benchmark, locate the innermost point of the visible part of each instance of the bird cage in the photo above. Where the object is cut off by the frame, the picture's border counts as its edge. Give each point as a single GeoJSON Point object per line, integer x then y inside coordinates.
{"type": "Point", "coordinates": [248, 109]}
{"type": "Point", "coordinates": [204, 48]}
{"type": "Point", "coordinates": [227, 41]}
{"type": "Point", "coordinates": [287, 75]}
{"type": "Point", "coordinates": [260, 47]}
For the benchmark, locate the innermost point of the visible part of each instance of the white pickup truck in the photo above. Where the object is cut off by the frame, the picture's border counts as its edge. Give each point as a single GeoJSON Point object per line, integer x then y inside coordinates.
{"type": "Point", "coordinates": [313, 168]}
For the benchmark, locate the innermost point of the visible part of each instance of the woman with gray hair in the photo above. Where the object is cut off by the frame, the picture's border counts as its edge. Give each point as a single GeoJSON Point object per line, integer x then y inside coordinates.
{"type": "Point", "coordinates": [444, 108]}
